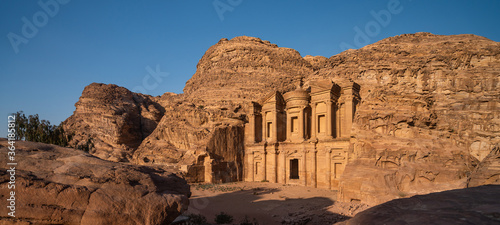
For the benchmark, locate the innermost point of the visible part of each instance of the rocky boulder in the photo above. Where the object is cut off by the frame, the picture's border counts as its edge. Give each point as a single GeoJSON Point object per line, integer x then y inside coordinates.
{"type": "Point", "coordinates": [56, 185]}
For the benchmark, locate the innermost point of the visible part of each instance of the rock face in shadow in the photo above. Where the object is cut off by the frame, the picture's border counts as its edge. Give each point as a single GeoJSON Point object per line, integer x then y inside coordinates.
{"type": "Point", "coordinates": [56, 185]}
{"type": "Point", "coordinates": [113, 120]}
{"type": "Point", "coordinates": [488, 171]}
{"type": "Point", "coordinates": [478, 205]}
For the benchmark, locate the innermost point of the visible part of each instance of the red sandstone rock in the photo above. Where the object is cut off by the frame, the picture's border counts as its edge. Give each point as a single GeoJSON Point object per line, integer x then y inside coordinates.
{"type": "Point", "coordinates": [429, 112]}
{"type": "Point", "coordinates": [56, 185]}
{"type": "Point", "coordinates": [488, 171]}
{"type": "Point", "coordinates": [113, 119]}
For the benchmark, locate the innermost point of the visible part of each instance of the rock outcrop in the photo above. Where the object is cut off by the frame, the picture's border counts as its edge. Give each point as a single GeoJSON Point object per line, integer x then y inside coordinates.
{"type": "Point", "coordinates": [429, 112]}
{"type": "Point", "coordinates": [202, 131]}
{"type": "Point", "coordinates": [478, 205]}
{"type": "Point", "coordinates": [204, 142]}
{"type": "Point", "coordinates": [56, 185]}
{"type": "Point", "coordinates": [112, 120]}
{"type": "Point", "coordinates": [488, 171]}
{"type": "Point", "coordinates": [245, 69]}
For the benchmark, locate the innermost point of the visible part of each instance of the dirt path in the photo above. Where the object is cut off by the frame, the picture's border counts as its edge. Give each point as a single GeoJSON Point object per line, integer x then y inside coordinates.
{"type": "Point", "coordinates": [270, 203]}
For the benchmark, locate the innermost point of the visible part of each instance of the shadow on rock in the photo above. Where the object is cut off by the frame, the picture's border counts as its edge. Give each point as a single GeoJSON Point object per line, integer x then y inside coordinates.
{"type": "Point", "coordinates": [275, 208]}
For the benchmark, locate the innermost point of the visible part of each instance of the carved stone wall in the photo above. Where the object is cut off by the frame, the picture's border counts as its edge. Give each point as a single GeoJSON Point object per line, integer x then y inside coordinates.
{"type": "Point", "coordinates": [301, 137]}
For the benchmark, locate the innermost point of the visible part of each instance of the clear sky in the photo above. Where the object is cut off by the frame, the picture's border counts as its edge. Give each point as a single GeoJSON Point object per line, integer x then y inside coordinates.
{"type": "Point", "coordinates": [51, 49]}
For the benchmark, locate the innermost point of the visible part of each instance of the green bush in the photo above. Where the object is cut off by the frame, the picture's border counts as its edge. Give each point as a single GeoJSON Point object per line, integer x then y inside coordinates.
{"type": "Point", "coordinates": [197, 219]}
{"type": "Point", "coordinates": [223, 218]}
{"type": "Point", "coordinates": [246, 221]}
{"type": "Point", "coordinates": [31, 128]}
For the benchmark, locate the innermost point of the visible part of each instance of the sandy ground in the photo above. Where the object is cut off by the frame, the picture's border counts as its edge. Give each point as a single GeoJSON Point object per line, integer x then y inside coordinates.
{"type": "Point", "coordinates": [270, 203]}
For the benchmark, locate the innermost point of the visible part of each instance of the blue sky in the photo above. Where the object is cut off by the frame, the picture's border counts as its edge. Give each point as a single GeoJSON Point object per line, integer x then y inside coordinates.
{"type": "Point", "coordinates": [76, 42]}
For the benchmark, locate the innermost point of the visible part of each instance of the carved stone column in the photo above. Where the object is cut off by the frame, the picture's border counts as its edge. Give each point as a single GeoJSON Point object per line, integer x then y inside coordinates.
{"type": "Point", "coordinates": [303, 171]}
{"type": "Point", "coordinates": [288, 127]}
{"type": "Point", "coordinates": [313, 168]}
{"type": "Point", "coordinates": [252, 165]}
{"type": "Point", "coordinates": [349, 115]}
{"type": "Point", "coordinates": [275, 126]}
{"type": "Point", "coordinates": [251, 129]}
{"type": "Point", "coordinates": [329, 119]}
{"type": "Point", "coordinates": [264, 126]}
{"type": "Point", "coordinates": [329, 165]}
{"type": "Point", "coordinates": [314, 122]}
{"type": "Point", "coordinates": [265, 164]}
{"type": "Point", "coordinates": [339, 120]}
{"type": "Point", "coordinates": [283, 168]}
{"type": "Point", "coordinates": [301, 123]}
{"type": "Point", "coordinates": [272, 166]}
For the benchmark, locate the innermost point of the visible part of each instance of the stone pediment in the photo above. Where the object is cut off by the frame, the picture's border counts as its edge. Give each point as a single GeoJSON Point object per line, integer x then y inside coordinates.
{"type": "Point", "coordinates": [273, 97]}
{"type": "Point", "coordinates": [320, 85]}
{"type": "Point", "coordinates": [324, 86]}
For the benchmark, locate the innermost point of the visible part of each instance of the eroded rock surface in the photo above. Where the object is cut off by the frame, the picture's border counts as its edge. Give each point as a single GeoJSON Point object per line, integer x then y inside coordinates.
{"type": "Point", "coordinates": [112, 120]}
{"type": "Point", "coordinates": [478, 205]}
{"type": "Point", "coordinates": [488, 171]}
{"type": "Point", "coordinates": [429, 112]}
{"type": "Point", "coordinates": [56, 185]}
{"type": "Point", "coordinates": [204, 142]}
{"type": "Point", "coordinates": [245, 68]}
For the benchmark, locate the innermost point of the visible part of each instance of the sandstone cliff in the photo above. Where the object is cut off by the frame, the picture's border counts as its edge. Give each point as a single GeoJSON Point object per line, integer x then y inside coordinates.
{"type": "Point", "coordinates": [245, 68]}
{"type": "Point", "coordinates": [193, 138]}
{"type": "Point", "coordinates": [429, 112]}
{"type": "Point", "coordinates": [202, 131]}
{"type": "Point", "coordinates": [113, 120]}
{"type": "Point", "coordinates": [488, 171]}
{"type": "Point", "coordinates": [56, 185]}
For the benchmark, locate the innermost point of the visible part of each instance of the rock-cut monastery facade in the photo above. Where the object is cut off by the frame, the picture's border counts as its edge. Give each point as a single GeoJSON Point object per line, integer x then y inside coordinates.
{"type": "Point", "coordinates": [302, 136]}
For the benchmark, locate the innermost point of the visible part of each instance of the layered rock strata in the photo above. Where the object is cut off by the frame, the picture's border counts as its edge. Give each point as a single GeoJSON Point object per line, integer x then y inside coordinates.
{"type": "Point", "coordinates": [112, 121]}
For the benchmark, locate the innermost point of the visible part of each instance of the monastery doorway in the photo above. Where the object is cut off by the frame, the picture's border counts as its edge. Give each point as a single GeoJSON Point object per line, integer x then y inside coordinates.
{"type": "Point", "coordinates": [294, 169]}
